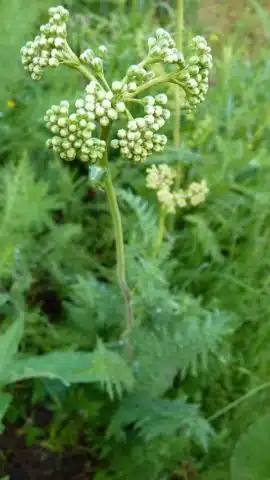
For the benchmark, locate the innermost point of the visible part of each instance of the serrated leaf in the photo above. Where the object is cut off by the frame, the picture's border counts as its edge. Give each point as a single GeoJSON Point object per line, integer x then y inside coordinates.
{"type": "Point", "coordinates": [100, 366]}
{"type": "Point", "coordinates": [158, 417]}
{"type": "Point", "coordinates": [251, 459]}
{"type": "Point", "coordinates": [67, 366]}
{"type": "Point", "coordinates": [5, 399]}
{"type": "Point", "coordinates": [111, 371]}
{"type": "Point", "coordinates": [205, 237]}
{"type": "Point", "coordinates": [9, 342]}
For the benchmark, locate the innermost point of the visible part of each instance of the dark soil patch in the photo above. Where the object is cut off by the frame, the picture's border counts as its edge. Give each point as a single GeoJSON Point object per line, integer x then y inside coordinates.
{"type": "Point", "coordinates": [22, 462]}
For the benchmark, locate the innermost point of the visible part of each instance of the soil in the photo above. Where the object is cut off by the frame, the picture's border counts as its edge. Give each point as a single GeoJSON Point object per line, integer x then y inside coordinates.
{"type": "Point", "coordinates": [22, 462]}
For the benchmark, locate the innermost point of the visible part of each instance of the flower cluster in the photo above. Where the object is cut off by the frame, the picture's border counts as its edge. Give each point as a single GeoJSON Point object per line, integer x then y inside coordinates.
{"type": "Point", "coordinates": [197, 192]}
{"type": "Point", "coordinates": [162, 48]}
{"type": "Point", "coordinates": [88, 57]}
{"type": "Point", "coordinates": [73, 133]}
{"type": "Point", "coordinates": [194, 78]}
{"type": "Point", "coordinates": [161, 178]}
{"type": "Point", "coordinates": [102, 103]}
{"type": "Point", "coordinates": [139, 140]}
{"type": "Point", "coordinates": [139, 74]}
{"type": "Point", "coordinates": [48, 48]}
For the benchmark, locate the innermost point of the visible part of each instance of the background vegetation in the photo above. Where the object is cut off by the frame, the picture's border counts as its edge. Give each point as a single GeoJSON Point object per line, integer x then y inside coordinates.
{"type": "Point", "coordinates": [200, 405]}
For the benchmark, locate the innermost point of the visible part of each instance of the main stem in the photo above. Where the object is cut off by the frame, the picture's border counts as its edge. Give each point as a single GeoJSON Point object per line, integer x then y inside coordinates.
{"type": "Point", "coordinates": [161, 229]}
{"type": "Point", "coordinates": [118, 233]}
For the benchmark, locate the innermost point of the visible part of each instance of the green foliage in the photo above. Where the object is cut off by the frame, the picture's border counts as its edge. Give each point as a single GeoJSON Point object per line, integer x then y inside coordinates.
{"type": "Point", "coordinates": [9, 343]}
{"type": "Point", "coordinates": [153, 418]}
{"type": "Point", "coordinates": [201, 336]}
{"type": "Point", "coordinates": [250, 459]}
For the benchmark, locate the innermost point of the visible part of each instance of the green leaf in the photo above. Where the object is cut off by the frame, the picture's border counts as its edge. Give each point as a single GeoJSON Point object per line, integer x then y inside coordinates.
{"type": "Point", "coordinates": [5, 399]}
{"type": "Point", "coordinates": [251, 459]}
{"type": "Point", "coordinates": [154, 417]}
{"type": "Point", "coordinates": [100, 366]}
{"type": "Point", "coordinates": [67, 366]}
{"type": "Point", "coordinates": [205, 237]}
{"type": "Point", "coordinates": [111, 371]}
{"type": "Point", "coordinates": [9, 342]}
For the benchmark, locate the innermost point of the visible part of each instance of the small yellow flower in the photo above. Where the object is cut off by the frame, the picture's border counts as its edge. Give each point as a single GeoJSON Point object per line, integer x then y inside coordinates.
{"type": "Point", "coordinates": [11, 103]}
{"type": "Point", "coordinates": [214, 38]}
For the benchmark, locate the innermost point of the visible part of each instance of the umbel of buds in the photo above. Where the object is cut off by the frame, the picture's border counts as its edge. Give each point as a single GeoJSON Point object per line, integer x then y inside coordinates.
{"type": "Point", "coordinates": [50, 47]}
{"type": "Point", "coordinates": [139, 139]}
{"type": "Point", "coordinates": [162, 179]}
{"type": "Point", "coordinates": [103, 104]}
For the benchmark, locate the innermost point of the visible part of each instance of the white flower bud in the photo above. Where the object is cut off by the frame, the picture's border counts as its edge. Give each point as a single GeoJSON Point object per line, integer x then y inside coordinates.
{"type": "Point", "coordinates": [100, 111]}
{"type": "Point", "coordinates": [115, 143]}
{"type": "Point", "coordinates": [151, 42]}
{"type": "Point", "coordinates": [59, 42]}
{"type": "Point", "coordinates": [104, 121]}
{"type": "Point", "coordinates": [97, 64]}
{"type": "Point", "coordinates": [121, 133]}
{"type": "Point", "coordinates": [53, 62]}
{"type": "Point", "coordinates": [112, 114]}
{"type": "Point", "coordinates": [117, 86]}
{"type": "Point", "coordinates": [102, 50]}
{"type": "Point", "coordinates": [149, 100]}
{"type": "Point", "coordinates": [120, 107]}
{"type": "Point", "coordinates": [150, 119]}
{"type": "Point", "coordinates": [64, 132]}
{"type": "Point", "coordinates": [132, 86]}
{"type": "Point", "coordinates": [109, 95]}
{"type": "Point", "coordinates": [62, 122]}
{"type": "Point", "coordinates": [132, 125]}
{"type": "Point", "coordinates": [141, 122]}
{"type": "Point", "coordinates": [161, 98]}
{"type": "Point", "coordinates": [106, 104]}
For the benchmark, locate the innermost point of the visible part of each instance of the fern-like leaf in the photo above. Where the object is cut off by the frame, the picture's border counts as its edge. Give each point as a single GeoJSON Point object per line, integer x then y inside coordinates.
{"type": "Point", "coordinates": [154, 418]}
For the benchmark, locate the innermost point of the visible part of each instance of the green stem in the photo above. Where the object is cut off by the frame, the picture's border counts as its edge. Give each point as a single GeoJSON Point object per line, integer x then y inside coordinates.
{"type": "Point", "coordinates": [237, 402]}
{"type": "Point", "coordinates": [161, 230]}
{"type": "Point", "coordinates": [118, 233]}
{"type": "Point", "coordinates": [151, 83]}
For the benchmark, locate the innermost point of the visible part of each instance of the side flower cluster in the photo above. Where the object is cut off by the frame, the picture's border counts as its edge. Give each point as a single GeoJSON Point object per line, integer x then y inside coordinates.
{"type": "Point", "coordinates": [48, 48]}
{"type": "Point", "coordinates": [73, 133]}
{"type": "Point", "coordinates": [162, 48]}
{"type": "Point", "coordinates": [162, 178]}
{"type": "Point", "coordinates": [195, 77]}
{"type": "Point", "coordinates": [139, 140]}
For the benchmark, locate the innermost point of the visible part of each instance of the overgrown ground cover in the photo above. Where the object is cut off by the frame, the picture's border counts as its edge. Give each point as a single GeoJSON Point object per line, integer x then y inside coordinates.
{"type": "Point", "coordinates": [194, 401]}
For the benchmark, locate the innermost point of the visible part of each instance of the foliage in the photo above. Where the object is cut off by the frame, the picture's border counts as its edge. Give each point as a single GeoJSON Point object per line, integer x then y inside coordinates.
{"type": "Point", "coordinates": [154, 400]}
{"type": "Point", "coordinates": [250, 459]}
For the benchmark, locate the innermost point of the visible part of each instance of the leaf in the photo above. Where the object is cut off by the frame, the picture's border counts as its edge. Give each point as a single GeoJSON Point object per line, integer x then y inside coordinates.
{"type": "Point", "coordinates": [205, 237]}
{"type": "Point", "coordinates": [67, 366]}
{"type": "Point", "coordinates": [100, 366]}
{"type": "Point", "coordinates": [250, 459]}
{"type": "Point", "coordinates": [144, 212]}
{"type": "Point", "coordinates": [9, 342]}
{"type": "Point", "coordinates": [111, 371]}
{"type": "Point", "coordinates": [153, 417]}
{"type": "Point", "coordinates": [5, 399]}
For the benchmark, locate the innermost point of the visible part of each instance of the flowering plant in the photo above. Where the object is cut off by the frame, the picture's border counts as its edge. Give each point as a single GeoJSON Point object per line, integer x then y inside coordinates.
{"type": "Point", "coordinates": [83, 132]}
